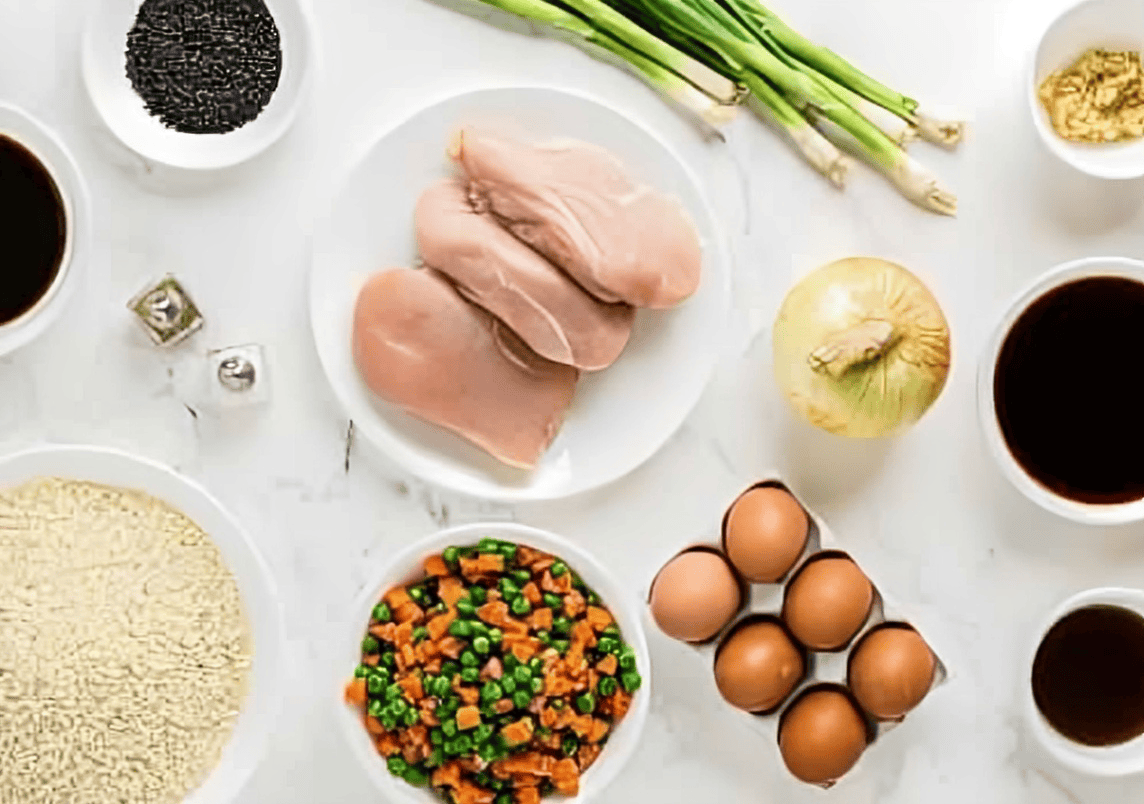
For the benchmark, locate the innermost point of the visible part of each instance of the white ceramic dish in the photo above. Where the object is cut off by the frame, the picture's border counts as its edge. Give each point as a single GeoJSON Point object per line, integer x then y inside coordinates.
{"type": "Point", "coordinates": [119, 105]}
{"type": "Point", "coordinates": [53, 155]}
{"type": "Point", "coordinates": [1126, 759]}
{"type": "Point", "coordinates": [1085, 513]}
{"type": "Point", "coordinates": [620, 417]}
{"type": "Point", "coordinates": [407, 566]}
{"type": "Point", "coordinates": [1111, 24]}
{"type": "Point", "coordinates": [263, 703]}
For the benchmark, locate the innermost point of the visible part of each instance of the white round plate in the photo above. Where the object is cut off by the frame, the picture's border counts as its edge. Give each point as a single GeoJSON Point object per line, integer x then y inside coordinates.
{"type": "Point", "coordinates": [252, 731]}
{"type": "Point", "coordinates": [621, 600]}
{"type": "Point", "coordinates": [104, 60]}
{"type": "Point", "coordinates": [621, 416]}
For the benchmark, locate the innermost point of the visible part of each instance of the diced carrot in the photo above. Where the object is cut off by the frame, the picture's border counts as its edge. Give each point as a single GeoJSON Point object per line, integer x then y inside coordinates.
{"type": "Point", "coordinates": [523, 648]}
{"type": "Point", "coordinates": [468, 717]}
{"type": "Point", "coordinates": [397, 597]}
{"type": "Point", "coordinates": [383, 631]}
{"type": "Point", "coordinates": [514, 627]}
{"type": "Point", "coordinates": [598, 731]}
{"type": "Point", "coordinates": [439, 625]}
{"type": "Point", "coordinates": [503, 706]}
{"type": "Point", "coordinates": [469, 793]}
{"type": "Point", "coordinates": [403, 634]}
{"type": "Point", "coordinates": [355, 692]}
{"type": "Point", "coordinates": [526, 795]}
{"type": "Point", "coordinates": [540, 619]}
{"type": "Point", "coordinates": [616, 705]}
{"type": "Point", "coordinates": [526, 555]}
{"type": "Point", "coordinates": [388, 745]}
{"type": "Point", "coordinates": [531, 593]}
{"type": "Point", "coordinates": [429, 717]}
{"type": "Point", "coordinates": [408, 656]}
{"type": "Point", "coordinates": [490, 562]}
{"type": "Point", "coordinates": [371, 661]}
{"type": "Point", "coordinates": [556, 685]}
{"type": "Point", "coordinates": [530, 762]}
{"type": "Point", "coordinates": [574, 604]}
{"type": "Point", "coordinates": [541, 564]}
{"type": "Point", "coordinates": [373, 725]}
{"type": "Point", "coordinates": [433, 666]}
{"type": "Point", "coordinates": [471, 568]}
{"type": "Point", "coordinates": [448, 775]}
{"type": "Point", "coordinates": [450, 590]}
{"type": "Point", "coordinates": [551, 742]}
{"type": "Point", "coordinates": [493, 669]}
{"type": "Point", "coordinates": [451, 647]}
{"type": "Point", "coordinates": [587, 755]}
{"type": "Point", "coordinates": [408, 613]}
{"type": "Point", "coordinates": [518, 733]}
{"type": "Point", "coordinates": [435, 565]}
{"type": "Point", "coordinates": [469, 695]}
{"type": "Point", "coordinates": [548, 717]}
{"type": "Point", "coordinates": [599, 618]}
{"type": "Point", "coordinates": [566, 777]}
{"type": "Point", "coordinates": [608, 665]}
{"type": "Point", "coordinates": [494, 613]}
{"type": "Point", "coordinates": [548, 583]}
{"type": "Point", "coordinates": [411, 686]}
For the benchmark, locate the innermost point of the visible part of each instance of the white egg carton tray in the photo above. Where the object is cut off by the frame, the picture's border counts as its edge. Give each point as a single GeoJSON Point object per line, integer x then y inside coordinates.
{"type": "Point", "coordinates": [822, 667]}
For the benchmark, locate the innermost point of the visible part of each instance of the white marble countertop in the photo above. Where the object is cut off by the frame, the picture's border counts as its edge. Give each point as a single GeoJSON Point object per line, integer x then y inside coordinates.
{"type": "Point", "coordinates": [928, 514]}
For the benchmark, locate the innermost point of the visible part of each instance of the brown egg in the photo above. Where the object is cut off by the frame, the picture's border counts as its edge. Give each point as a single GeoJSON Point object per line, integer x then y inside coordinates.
{"type": "Point", "coordinates": [822, 736]}
{"type": "Point", "coordinates": [827, 602]}
{"type": "Point", "coordinates": [891, 670]}
{"type": "Point", "coordinates": [765, 534]}
{"type": "Point", "coordinates": [758, 666]}
{"type": "Point", "coordinates": [694, 596]}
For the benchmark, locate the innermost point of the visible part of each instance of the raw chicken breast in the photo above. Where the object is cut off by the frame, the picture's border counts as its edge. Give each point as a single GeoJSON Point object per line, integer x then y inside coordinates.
{"type": "Point", "coordinates": [420, 346]}
{"type": "Point", "coordinates": [576, 204]}
{"type": "Point", "coordinates": [550, 312]}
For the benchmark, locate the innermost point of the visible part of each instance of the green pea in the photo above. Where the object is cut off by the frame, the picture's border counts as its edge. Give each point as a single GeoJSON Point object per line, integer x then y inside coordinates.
{"type": "Point", "coordinates": [560, 646]}
{"type": "Point", "coordinates": [388, 721]}
{"type": "Point", "coordinates": [558, 568]}
{"type": "Point", "coordinates": [381, 613]}
{"type": "Point", "coordinates": [593, 598]}
{"type": "Point", "coordinates": [380, 672]}
{"type": "Point", "coordinates": [522, 674]}
{"type": "Point", "coordinates": [496, 636]}
{"type": "Point", "coordinates": [607, 645]}
{"type": "Point", "coordinates": [397, 766]}
{"type": "Point", "coordinates": [553, 601]}
{"type": "Point", "coordinates": [557, 704]}
{"type": "Point", "coordinates": [521, 576]}
{"type": "Point", "coordinates": [508, 685]}
{"type": "Point", "coordinates": [399, 707]}
{"type": "Point", "coordinates": [511, 662]}
{"type": "Point", "coordinates": [375, 686]}
{"type": "Point", "coordinates": [393, 693]}
{"type": "Point", "coordinates": [436, 736]}
{"type": "Point", "coordinates": [449, 727]}
{"type": "Point", "coordinates": [509, 590]}
{"type": "Point", "coordinates": [470, 675]}
{"type": "Point", "coordinates": [466, 608]}
{"type": "Point", "coordinates": [482, 734]}
{"type": "Point", "coordinates": [478, 595]}
{"type": "Point", "coordinates": [612, 629]}
{"type": "Point", "coordinates": [411, 717]}
{"type": "Point", "coordinates": [388, 659]}
{"type": "Point", "coordinates": [488, 546]}
{"type": "Point", "coordinates": [544, 636]}
{"type": "Point", "coordinates": [449, 669]}
{"type": "Point", "coordinates": [491, 691]}
{"type": "Point", "coordinates": [535, 666]}
{"type": "Point", "coordinates": [480, 629]}
{"type": "Point", "coordinates": [521, 699]}
{"type": "Point", "coordinates": [631, 680]}
{"type": "Point", "coordinates": [561, 624]}
{"type": "Point", "coordinates": [570, 745]}
{"type": "Point", "coordinates": [469, 659]}
{"type": "Point", "coordinates": [488, 753]}
{"type": "Point", "coordinates": [370, 646]}
{"type": "Point", "coordinates": [627, 657]}
{"type": "Point", "coordinates": [503, 798]}
{"type": "Point", "coordinates": [606, 686]}
{"type": "Point", "coordinates": [464, 744]}
{"type": "Point", "coordinates": [446, 709]}
{"type": "Point", "coordinates": [435, 759]}
{"type": "Point", "coordinates": [362, 671]}
{"type": "Point", "coordinates": [461, 628]}
{"type": "Point", "coordinates": [586, 703]}
{"type": "Point", "coordinates": [483, 779]}
{"type": "Point", "coordinates": [451, 556]}
{"type": "Point", "coordinates": [417, 593]}
{"type": "Point", "coordinates": [520, 606]}
{"type": "Point", "coordinates": [420, 633]}
{"type": "Point", "coordinates": [508, 551]}
{"type": "Point", "coordinates": [375, 708]}
{"type": "Point", "coordinates": [537, 686]}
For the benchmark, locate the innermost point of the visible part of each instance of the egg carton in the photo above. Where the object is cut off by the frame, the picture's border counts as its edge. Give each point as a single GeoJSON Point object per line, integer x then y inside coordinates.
{"type": "Point", "coordinates": [765, 601]}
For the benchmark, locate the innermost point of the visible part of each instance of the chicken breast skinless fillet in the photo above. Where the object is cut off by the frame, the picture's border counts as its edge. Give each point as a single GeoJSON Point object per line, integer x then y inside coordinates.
{"type": "Point", "coordinates": [557, 318]}
{"type": "Point", "coordinates": [419, 345]}
{"type": "Point", "coordinates": [576, 204]}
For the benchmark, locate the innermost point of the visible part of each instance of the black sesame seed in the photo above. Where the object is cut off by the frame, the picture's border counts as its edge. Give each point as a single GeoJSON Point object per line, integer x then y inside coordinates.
{"type": "Point", "coordinates": [204, 66]}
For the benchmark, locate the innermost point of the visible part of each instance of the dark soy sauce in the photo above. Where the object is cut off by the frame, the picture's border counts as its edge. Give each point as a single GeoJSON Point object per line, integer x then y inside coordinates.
{"type": "Point", "coordinates": [33, 230]}
{"type": "Point", "coordinates": [1088, 676]}
{"type": "Point", "coordinates": [1069, 390]}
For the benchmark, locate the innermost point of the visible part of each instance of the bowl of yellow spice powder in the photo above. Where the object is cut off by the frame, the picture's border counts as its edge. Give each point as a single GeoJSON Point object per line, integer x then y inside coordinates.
{"type": "Point", "coordinates": [1087, 88]}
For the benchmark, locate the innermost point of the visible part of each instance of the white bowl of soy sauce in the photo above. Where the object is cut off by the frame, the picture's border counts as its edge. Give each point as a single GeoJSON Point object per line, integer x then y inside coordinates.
{"type": "Point", "coordinates": [1061, 391]}
{"type": "Point", "coordinates": [198, 84]}
{"type": "Point", "coordinates": [45, 227]}
{"type": "Point", "coordinates": [1083, 699]}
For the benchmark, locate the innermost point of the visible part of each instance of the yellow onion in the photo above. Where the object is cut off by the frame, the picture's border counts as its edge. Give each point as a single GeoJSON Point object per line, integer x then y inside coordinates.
{"type": "Point", "coordinates": [861, 348]}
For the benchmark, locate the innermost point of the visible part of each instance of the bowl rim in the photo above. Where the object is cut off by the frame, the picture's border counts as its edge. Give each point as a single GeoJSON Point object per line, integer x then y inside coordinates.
{"type": "Point", "coordinates": [191, 158]}
{"type": "Point", "coordinates": [1124, 759]}
{"type": "Point", "coordinates": [40, 140]}
{"type": "Point", "coordinates": [1085, 513]}
{"type": "Point", "coordinates": [406, 564]}
{"type": "Point", "coordinates": [1060, 148]}
{"type": "Point", "coordinates": [226, 780]}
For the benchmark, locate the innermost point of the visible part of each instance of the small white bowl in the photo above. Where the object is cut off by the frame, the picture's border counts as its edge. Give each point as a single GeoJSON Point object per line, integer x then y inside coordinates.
{"type": "Point", "coordinates": [1109, 24]}
{"type": "Point", "coordinates": [1085, 513]}
{"type": "Point", "coordinates": [405, 567]}
{"type": "Point", "coordinates": [256, 723]}
{"type": "Point", "coordinates": [38, 139]}
{"type": "Point", "coordinates": [104, 60]}
{"type": "Point", "coordinates": [1126, 759]}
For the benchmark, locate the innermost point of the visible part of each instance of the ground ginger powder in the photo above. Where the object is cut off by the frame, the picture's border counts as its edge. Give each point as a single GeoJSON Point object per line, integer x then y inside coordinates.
{"type": "Point", "coordinates": [1100, 98]}
{"type": "Point", "coordinates": [124, 650]}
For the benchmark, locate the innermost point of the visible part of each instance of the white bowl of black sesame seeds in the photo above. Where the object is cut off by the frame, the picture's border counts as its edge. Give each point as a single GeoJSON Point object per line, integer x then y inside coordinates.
{"type": "Point", "coordinates": [198, 84]}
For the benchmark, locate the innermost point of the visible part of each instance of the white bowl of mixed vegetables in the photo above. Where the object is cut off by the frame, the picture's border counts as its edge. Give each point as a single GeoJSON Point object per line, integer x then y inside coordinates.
{"type": "Point", "coordinates": [494, 664]}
